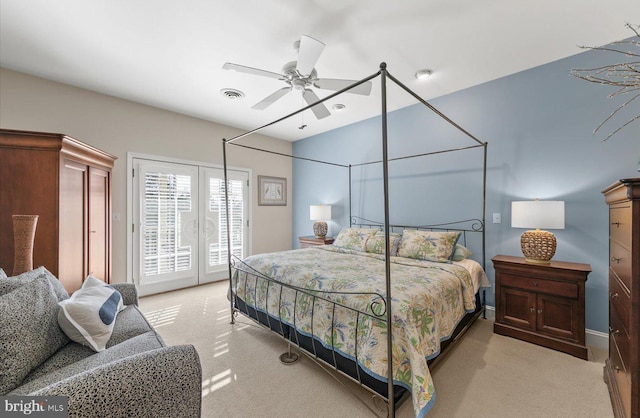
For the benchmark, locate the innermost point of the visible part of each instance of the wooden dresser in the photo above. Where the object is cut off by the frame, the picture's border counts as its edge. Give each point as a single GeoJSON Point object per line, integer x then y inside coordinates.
{"type": "Point", "coordinates": [68, 184]}
{"type": "Point", "coordinates": [621, 371]}
{"type": "Point", "coordinates": [542, 303]}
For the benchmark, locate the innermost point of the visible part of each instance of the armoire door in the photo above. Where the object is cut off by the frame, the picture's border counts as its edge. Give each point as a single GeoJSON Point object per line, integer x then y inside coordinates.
{"type": "Point", "coordinates": [99, 224]}
{"type": "Point", "coordinates": [73, 224]}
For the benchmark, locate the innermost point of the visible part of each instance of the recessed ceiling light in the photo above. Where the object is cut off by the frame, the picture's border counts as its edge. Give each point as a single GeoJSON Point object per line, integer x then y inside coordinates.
{"type": "Point", "coordinates": [232, 94]}
{"type": "Point", "coordinates": [338, 107]}
{"type": "Point", "coordinates": [423, 74]}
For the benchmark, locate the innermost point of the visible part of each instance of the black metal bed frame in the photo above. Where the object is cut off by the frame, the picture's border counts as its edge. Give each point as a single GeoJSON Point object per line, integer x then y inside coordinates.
{"type": "Point", "coordinates": [383, 302]}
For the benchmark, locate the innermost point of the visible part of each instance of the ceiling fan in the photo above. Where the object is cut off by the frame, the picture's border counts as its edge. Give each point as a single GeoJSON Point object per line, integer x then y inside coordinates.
{"type": "Point", "coordinates": [301, 75]}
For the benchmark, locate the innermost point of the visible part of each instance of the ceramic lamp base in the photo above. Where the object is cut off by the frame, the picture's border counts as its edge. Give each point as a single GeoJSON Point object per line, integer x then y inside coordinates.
{"type": "Point", "coordinates": [320, 229]}
{"type": "Point", "coordinates": [538, 246]}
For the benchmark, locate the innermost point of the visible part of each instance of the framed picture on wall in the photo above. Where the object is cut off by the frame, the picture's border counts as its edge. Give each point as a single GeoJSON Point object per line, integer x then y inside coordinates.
{"type": "Point", "coordinates": [272, 191]}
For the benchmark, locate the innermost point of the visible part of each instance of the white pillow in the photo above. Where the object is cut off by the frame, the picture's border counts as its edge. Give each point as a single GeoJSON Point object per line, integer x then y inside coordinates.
{"type": "Point", "coordinates": [89, 315]}
{"type": "Point", "coordinates": [3, 275]}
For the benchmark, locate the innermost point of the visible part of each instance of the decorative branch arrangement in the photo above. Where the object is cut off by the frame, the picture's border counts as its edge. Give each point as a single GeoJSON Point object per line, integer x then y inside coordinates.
{"type": "Point", "coordinates": [624, 76]}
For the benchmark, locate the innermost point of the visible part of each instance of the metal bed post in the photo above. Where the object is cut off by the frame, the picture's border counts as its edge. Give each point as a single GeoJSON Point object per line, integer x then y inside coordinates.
{"type": "Point", "coordinates": [350, 218]}
{"type": "Point", "coordinates": [226, 204]}
{"type": "Point", "coordinates": [484, 227]}
{"type": "Point", "coordinates": [391, 409]}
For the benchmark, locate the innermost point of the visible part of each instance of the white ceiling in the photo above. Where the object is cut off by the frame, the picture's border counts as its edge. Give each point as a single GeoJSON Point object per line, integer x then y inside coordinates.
{"type": "Point", "coordinates": [169, 54]}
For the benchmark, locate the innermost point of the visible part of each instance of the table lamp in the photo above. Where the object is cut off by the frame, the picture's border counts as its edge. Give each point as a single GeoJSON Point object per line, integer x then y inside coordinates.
{"type": "Point", "coordinates": [320, 214]}
{"type": "Point", "coordinates": [538, 246]}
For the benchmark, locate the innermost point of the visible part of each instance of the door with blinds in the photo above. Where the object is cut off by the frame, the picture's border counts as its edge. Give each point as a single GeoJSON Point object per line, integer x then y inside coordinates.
{"type": "Point", "coordinates": [179, 230]}
{"type": "Point", "coordinates": [213, 237]}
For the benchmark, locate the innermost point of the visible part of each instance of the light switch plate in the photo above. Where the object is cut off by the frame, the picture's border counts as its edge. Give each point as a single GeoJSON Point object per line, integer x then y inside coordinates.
{"type": "Point", "coordinates": [497, 218]}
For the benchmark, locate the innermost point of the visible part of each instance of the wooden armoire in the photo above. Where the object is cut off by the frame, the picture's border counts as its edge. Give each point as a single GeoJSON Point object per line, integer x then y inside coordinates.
{"type": "Point", "coordinates": [622, 368]}
{"type": "Point", "coordinates": [67, 183]}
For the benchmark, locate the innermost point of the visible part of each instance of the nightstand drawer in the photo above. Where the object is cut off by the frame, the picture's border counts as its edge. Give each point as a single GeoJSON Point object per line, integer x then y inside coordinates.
{"type": "Point", "coordinates": [569, 290]}
{"type": "Point", "coordinates": [311, 241]}
{"type": "Point", "coordinates": [620, 262]}
{"type": "Point", "coordinates": [620, 224]}
{"type": "Point", "coordinates": [619, 301]}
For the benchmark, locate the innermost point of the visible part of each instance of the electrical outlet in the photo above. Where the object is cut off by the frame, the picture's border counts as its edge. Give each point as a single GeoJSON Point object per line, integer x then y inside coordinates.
{"type": "Point", "coordinates": [497, 218]}
{"type": "Point", "coordinates": [116, 217]}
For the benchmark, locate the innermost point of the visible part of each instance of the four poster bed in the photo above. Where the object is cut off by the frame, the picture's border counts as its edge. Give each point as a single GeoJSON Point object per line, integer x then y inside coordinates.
{"type": "Point", "coordinates": [335, 302]}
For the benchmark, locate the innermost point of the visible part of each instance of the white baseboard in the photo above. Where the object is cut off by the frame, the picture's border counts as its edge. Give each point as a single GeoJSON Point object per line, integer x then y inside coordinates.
{"type": "Point", "coordinates": [593, 338]}
{"type": "Point", "coordinates": [597, 339]}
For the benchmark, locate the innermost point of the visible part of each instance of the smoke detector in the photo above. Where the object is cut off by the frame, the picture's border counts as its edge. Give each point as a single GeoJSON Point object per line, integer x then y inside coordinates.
{"type": "Point", "coordinates": [232, 94]}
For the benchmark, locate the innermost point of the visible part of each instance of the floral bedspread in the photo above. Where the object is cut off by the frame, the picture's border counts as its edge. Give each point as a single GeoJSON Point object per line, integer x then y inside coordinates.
{"type": "Point", "coordinates": [428, 301]}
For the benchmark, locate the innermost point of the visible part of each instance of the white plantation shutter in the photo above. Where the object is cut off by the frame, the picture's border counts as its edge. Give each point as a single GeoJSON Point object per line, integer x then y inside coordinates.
{"type": "Point", "coordinates": [166, 196]}
{"type": "Point", "coordinates": [217, 251]}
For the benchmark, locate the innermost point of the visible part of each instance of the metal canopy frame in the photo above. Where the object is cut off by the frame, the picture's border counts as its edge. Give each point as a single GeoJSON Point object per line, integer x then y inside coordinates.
{"type": "Point", "coordinates": [384, 75]}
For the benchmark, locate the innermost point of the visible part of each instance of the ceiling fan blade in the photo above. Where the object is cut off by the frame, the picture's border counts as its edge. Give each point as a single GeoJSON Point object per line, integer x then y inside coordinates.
{"type": "Point", "coordinates": [338, 84]}
{"type": "Point", "coordinates": [250, 70]}
{"type": "Point", "coordinates": [320, 110]}
{"type": "Point", "coordinates": [308, 54]}
{"type": "Point", "coordinates": [270, 99]}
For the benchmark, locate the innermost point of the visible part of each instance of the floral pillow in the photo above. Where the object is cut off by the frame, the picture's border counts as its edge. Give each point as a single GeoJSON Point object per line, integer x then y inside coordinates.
{"type": "Point", "coordinates": [375, 244]}
{"type": "Point", "coordinates": [354, 238]}
{"type": "Point", "coordinates": [428, 245]}
{"type": "Point", "coordinates": [460, 253]}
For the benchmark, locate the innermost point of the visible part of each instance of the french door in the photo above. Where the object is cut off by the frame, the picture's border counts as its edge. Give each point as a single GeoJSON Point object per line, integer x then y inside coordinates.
{"type": "Point", "coordinates": [180, 223]}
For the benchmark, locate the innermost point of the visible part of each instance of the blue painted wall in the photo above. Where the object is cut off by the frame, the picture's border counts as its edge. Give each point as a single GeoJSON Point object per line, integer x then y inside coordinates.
{"type": "Point", "coordinates": [539, 125]}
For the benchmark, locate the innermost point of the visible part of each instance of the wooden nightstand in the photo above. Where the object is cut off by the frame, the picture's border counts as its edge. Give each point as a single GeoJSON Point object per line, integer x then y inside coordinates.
{"type": "Point", "coordinates": [311, 241]}
{"type": "Point", "coordinates": [541, 303]}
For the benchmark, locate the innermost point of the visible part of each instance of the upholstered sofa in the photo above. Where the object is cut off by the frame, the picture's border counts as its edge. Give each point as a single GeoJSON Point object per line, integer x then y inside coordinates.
{"type": "Point", "coordinates": [135, 375]}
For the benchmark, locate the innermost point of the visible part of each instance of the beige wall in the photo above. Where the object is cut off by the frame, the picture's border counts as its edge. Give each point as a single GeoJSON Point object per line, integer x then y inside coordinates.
{"type": "Point", "coordinates": [119, 126]}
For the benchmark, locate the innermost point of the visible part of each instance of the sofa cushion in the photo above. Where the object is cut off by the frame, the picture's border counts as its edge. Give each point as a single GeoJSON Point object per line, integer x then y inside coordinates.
{"type": "Point", "coordinates": [29, 333]}
{"type": "Point", "coordinates": [130, 323]}
{"type": "Point", "coordinates": [70, 353]}
{"type": "Point", "coordinates": [7, 284]}
{"type": "Point", "coordinates": [89, 315]}
{"type": "Point", "coordinates": [46, 375]}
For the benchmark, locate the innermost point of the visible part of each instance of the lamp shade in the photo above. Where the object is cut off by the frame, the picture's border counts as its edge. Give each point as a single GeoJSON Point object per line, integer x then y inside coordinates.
{"type": "Point", "coordinates": [320, 212]}
{"type": "Point", "coordinates": [543, 214]}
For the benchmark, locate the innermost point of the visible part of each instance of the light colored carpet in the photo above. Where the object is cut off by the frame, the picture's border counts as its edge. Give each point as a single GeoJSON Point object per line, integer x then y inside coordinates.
{"type": "Point", "coordinates": [484, 375]}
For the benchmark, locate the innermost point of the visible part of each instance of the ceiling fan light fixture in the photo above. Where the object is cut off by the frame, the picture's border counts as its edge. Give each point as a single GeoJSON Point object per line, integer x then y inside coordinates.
{"type": "Point", "coordinates": [232, 94]}
{"type": "Point", "coordinates": [300, 75]}
{"type": "Point", "coordinates": [338, 107]}
{"type": "Point", "coordinates": [423, 74]}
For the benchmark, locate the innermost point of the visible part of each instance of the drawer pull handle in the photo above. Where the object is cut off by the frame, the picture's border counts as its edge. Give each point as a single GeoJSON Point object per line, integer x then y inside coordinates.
{"type": "Point", "coordinates": [532, 309]}
{"type": "Point", "coordinates": [617, 224]}
{"type": "Point", "coordinates": [535, 283]}
{"type": "Point", "coordinates": [539, 311]}
{"type": "Point", "coordinates": [613, 296]}
{"type": "Point", "coordinates": [616, 260]}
